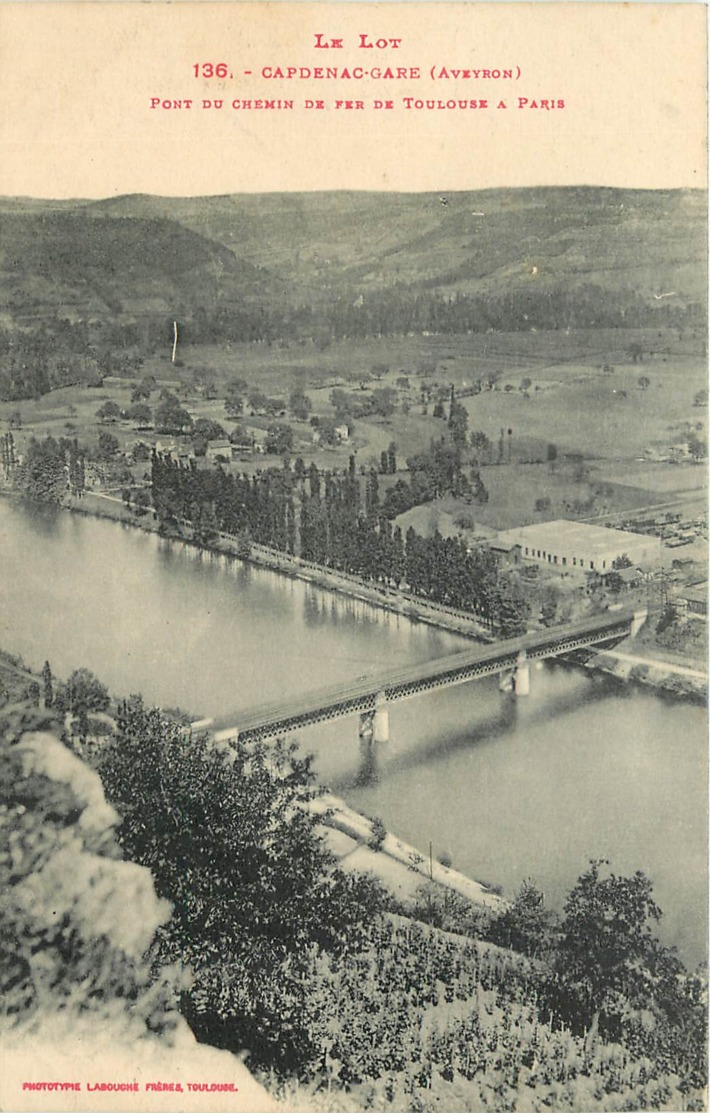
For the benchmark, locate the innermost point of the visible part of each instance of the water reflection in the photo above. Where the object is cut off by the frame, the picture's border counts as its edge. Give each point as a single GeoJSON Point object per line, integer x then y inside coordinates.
{"type": "Point", "coordinates": [368, 771]}
{"type": "Point", "coordinates": [586, 766]}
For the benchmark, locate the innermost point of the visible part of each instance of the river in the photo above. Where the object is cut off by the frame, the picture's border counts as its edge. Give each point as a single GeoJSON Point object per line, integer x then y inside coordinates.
{"type": "Point", "coordinates": [511, 788]}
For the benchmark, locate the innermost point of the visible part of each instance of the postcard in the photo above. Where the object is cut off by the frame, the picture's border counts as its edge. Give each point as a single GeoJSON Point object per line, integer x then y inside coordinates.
{"type": "Point", "coordinates": [353, 556]}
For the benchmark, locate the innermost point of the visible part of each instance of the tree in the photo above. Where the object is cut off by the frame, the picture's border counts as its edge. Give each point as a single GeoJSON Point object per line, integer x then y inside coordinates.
{"type": "Point", "coordinates": [208, 429]}
{"type": "Point", "coordinates": [257, 399]}
{"type": "Point", "coordinates": [549, 602]}
{"type": "Point", "coordinates": [299, 404]}
{"type": "Point", "coordinates": [140, 392]}
{"type": "Point", "coordinates": [622, 562]}
{"type": "Point", "coordinates": [279, 439]}
{"type": "Point", "coordinates": [108, 412]}
{"type": "Point", "coordinates": [458, 422]}
{"type": "Point", "coordinates": [274, 406]}
{"type": "Point", "coordinates": [509, 605]}
{"type": "Point", "coordinates": [47, 689]}
{"type": "Point", "coordinates": [479, 491]}
{"type": "Point", "coordinates": [605, 959]}
{"type": "Point", "coordinates": [697, 447]}
{"type": "Point", "coordinates": [171, 417]}
{"type": "Point", "coordinates": [255, 891]}
{"type": "Point", "coordinates": [234, 398]}
{"type": "Point", "coordinates": [82, 693]}
{"type": "Point", "coordinates": [635, 351]}
{"type": "Point", "coordinates": [42, 476]}
{"type": "Point", "coordinates": [377, 835]}
{"type": "Point", "coordinates": [482, 446]}
{"type": "Point", "coordinates": [239, 437]}
{"type": "Point", "coordinates": [141, 452]}
{"type": "Point", "coordinates": [141, 502]}
{"type": "Point", "coordinates": [501, 446]}
{"type": "Point", "coordinates": [140, 414]}
{"type": "Point", "coordinates": [643, 383]}
{"type": "Point", "coordinates": [527, 925]}
{"type": "Point", "coordinates": [551, 455]}
{"type": "Point", "coordinates": [384, 401]}
{"type": "Point", "coordinates": [107, 446]}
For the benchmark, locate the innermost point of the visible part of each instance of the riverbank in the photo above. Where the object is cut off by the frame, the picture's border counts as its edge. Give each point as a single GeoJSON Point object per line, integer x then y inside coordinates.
{"type": "Point", "coordinates": [623, 662]}
{"type": "Point", "coordinates": [499, 784]}
{"type": "Point", "coordinates": [104, 506]}
{"type": "Point", "coordinates": [662, 675]}
{"type": "Point", "coordinates": [671, 678]}
{"type": "Point", "coordinates": [400, 867]}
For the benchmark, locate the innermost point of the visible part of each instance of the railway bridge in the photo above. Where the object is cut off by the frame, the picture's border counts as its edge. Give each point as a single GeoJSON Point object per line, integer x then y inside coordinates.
{"type": "Point", "coordinates": [371, 695]}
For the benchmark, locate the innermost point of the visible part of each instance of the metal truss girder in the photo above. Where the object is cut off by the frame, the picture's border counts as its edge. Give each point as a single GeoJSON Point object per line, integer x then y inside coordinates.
{"type": "Point", "coordinates": [460, 673]}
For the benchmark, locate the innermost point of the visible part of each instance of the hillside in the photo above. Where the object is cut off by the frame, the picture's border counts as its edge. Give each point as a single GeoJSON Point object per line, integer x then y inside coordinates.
{"type": "Point", "coordinates": [68, 263]}
{"type": "Point", "coordinates": [78, 923]}
{"type": "Point", "coordinates": [401, 1016]}
{"type": "Point", "coordinates": [136, 253]}
{"type": "Point", "coordinates": [471, 242]}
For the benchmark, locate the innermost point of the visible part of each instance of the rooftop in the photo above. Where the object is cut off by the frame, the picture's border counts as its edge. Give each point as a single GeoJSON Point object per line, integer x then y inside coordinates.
{"type": "Point", "coordinates": [572, 537]}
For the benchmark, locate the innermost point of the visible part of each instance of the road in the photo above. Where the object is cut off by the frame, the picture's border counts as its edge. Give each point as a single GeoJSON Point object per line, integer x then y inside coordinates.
{"type": "Point", "coordinates": [662, 665]}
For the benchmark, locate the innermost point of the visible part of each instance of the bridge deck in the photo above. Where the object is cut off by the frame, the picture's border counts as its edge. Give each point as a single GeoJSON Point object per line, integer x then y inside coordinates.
{"type": "Point", "coordinates": [362, 694]}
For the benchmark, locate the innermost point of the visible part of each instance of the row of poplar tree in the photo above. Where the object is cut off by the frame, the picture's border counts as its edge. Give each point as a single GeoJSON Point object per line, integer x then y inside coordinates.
{"type": "Point", "coordinates": [327, 518]}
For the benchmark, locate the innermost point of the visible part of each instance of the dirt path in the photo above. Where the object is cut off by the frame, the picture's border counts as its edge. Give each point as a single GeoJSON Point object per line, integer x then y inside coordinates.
{"type": "Point", "coordinates": [662, 665]}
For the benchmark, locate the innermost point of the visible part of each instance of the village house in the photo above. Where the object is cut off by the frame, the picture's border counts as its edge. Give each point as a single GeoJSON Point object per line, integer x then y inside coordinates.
{"type": "Point", "coordinates": [219, 449]}
{"type": "Point", "coordinates": [507, 550]}
{"type": "Point", "coordinates": [693, 601]}
{"type": "Point", "coordinates": [343, 432]}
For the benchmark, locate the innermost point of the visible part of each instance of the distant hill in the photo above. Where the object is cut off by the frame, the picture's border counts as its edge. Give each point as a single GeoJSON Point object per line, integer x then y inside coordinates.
{"type": "Point", "coordinates": [71, 262]}
{"type": "Point", "coordinates": [136, 255]}
{"type": "Point", "coordinates": [473, 242]}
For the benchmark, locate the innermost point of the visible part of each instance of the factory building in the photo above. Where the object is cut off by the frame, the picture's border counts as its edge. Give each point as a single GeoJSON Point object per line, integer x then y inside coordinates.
{"type": "Point", "coordinates": [574, 546]}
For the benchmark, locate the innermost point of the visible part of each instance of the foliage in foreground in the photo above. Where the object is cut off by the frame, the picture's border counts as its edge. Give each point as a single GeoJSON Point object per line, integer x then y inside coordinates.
{"type": "Point", "coordinates": [293, 960]}
{"type": "Point", "coordinates": [422, 1020]}
{"type": "Point", "coordinates": [253, 888]}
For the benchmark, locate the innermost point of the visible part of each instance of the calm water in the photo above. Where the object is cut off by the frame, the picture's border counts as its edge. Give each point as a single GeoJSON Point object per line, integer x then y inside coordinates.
{"type": "Point", "coordinates": [532, 787]}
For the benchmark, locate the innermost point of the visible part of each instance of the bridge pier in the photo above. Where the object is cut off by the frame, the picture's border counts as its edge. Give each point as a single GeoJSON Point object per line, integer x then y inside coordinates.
{"type": "Point", "coordinates": [505, 680]}
{"type": "Point", "coordinates": [638, 620]}
{"type": "Point", "coordinates": [509, 659]}
{"type": "Point", "coordinates": [381, 720]}
{"type": "Point", "coordinates": [521, 678]}
{"type": "Point", "coordinates": [365, 725]}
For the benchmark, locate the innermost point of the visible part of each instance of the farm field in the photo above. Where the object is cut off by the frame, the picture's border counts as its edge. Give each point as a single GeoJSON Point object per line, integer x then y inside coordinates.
{"type": "Point", "coordinates": [658, 477]}
{"type": "Point", "coordinates": [591, 416]}
{"type": "Point", "coordinates": [539, 388]}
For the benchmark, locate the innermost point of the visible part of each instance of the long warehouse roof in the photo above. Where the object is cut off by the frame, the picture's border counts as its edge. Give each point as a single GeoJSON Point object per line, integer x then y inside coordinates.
{"type": "Point", "coordinates": [574, 538]}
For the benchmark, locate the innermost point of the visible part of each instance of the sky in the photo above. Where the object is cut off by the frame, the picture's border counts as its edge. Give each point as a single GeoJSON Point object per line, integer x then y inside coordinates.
{"type": "Point", "coordinates": [99, 99]}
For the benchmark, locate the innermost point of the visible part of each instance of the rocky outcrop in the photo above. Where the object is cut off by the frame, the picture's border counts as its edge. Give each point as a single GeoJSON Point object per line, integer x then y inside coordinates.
{"type": "Point", "coordinates": [86, 1024]}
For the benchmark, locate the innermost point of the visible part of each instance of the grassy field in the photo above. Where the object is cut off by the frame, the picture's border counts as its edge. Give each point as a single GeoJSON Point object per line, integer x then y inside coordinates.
{"type": "Point", "coordinates": [566, 399]}
{"type": "Point", "coordinates": [658, 477]}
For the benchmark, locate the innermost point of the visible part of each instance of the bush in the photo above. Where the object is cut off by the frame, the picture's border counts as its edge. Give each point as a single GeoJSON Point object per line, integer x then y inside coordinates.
{"type": "Point", "coordinates": [379, 833]}
{"type": "Point", "coordinates": [257, 896]}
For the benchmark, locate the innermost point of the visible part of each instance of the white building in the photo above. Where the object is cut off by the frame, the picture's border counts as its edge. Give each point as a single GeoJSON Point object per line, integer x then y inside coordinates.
{"type": "Point", "coordinates": [574, 546]}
